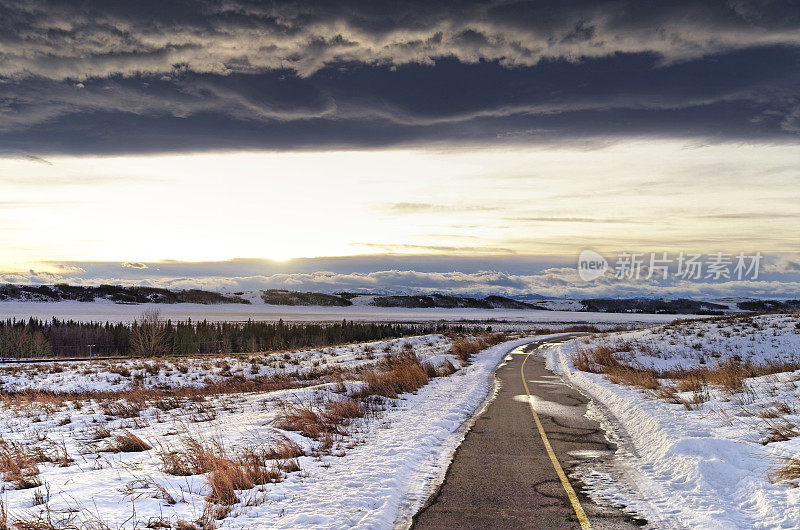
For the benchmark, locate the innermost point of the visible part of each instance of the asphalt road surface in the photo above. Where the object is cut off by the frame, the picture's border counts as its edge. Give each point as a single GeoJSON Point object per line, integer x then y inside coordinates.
{"type": "Point", "coordinates": [502, 475]}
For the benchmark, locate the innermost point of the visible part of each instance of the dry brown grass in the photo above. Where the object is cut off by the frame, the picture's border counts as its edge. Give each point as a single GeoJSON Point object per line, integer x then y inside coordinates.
{"type": "Point", "coordinates": [596, 360]}
{"type": "Point", "coordinates": [464, 347]}
{"type": "Point", "coordinates": [243, 473]}
{"type": "Point", "coordinates": [283, 448]}
{"type": "Point", "coordinates": [127, 442]}
{"type": "Point", "coordinates": [729, 375]}
{"type": "Point", "coordinates": [19, 464]}
{"type": "Point", "coordinates": [780, 431]}
{"type": "Point", "coordinates": [228, 473]}
{"type": "Point", "coordinates": [346, 409]}
{"type": "Point", "coordinates": [789, 471]}
{"type": "Point", "coordinates": [129, 403]}
{"type": "Point", "coordinates": [601, 359]}
{"type": "Point", "coordinates": [394, 375]}
{"type": "Point", "coordinates": [647, 379]}
{"type": "Point", "coordinates": [101, 432]}
{"type": "Point", "coordinates": [691, 383]}
{"type": "Point", "coordinates": [308, 421]}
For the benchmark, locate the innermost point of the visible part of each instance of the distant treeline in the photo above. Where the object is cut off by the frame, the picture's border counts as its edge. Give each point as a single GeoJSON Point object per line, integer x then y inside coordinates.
{"type": "Point", "coordinates": [68, 338]}
{"type": "Point", "coordinates": [639, 305]}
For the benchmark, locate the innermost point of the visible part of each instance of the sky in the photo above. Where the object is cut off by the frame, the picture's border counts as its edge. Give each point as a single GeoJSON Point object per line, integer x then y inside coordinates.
{"type": "Point", "coordinates": [471, 147]}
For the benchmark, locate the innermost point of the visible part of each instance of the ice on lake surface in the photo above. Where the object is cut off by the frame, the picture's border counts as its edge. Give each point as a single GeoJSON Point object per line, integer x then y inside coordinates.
{"type": "Point", "coordinates": [102, 311]}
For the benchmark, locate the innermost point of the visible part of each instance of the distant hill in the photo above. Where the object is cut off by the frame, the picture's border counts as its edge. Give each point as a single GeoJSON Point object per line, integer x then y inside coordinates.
{"type": "Point", "coordinates": [284, 297]}
{"type": "Point", "coordinates": [113, 293]}
{"type": "Point", "coordinates": [768, 305]}
{"type": "Point", "coordinates": [452, 302]}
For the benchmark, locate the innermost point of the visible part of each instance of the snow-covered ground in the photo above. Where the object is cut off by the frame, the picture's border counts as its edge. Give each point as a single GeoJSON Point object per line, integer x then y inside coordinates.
{"type": "Point", "coordinates": [116, 375]}
{"type": "Point", "coordinates": [695, 454]}
{"type": "Point", "coordinates": [108, 311]}
{"type": "Point", "coordinates": [374, 476]}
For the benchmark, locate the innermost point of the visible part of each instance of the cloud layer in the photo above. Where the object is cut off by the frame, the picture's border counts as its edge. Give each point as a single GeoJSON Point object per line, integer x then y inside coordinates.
{"type": "Point", "coordinates": [82, 40]}
{"type": "Point", "coordinates": [779, 277]}
{"type": "Point", "coordinates": [155, 76]}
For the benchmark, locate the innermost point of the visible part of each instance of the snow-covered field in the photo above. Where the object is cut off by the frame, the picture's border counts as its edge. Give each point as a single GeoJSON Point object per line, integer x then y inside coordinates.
{"type": "Point", "coordinates": [117, 375]}
{"type": "Point", "coordinates": [102, 311]}
{"type": "Point", "coordinates": [375, 472]}
{"type": "Point", "coordinates": [702, 445]}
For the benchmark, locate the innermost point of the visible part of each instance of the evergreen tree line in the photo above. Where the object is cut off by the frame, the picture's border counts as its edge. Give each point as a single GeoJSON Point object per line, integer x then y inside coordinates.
{"type": "Point", "coordinates": [151, 336]}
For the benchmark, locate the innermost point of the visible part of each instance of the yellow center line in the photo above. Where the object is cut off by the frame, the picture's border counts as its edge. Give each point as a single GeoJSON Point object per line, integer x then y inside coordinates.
{"type": "Point", "coordinates": [573, 498]}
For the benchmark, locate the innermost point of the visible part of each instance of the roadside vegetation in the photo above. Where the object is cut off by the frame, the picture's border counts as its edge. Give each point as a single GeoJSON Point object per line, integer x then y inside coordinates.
{"type": "Point", "coordinates": [189, 442]}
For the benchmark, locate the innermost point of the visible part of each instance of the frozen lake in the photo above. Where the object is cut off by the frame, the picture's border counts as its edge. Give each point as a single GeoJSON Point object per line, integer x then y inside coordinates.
{"type": "Point", "coordinates": [103, 311]}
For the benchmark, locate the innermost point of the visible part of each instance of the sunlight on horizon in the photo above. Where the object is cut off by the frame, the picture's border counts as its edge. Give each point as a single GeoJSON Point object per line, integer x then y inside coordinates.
{"type": "Point", "coordinates": [207, 207]}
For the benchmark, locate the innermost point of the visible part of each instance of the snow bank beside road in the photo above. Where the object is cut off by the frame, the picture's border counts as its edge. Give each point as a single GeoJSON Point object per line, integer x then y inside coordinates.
{"type": "Point", "coordinates": [704, 468]}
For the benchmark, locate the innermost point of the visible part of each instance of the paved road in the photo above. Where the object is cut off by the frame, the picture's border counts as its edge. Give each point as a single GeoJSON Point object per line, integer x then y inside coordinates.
{"type": "Point", "coordinates": [502, 476]}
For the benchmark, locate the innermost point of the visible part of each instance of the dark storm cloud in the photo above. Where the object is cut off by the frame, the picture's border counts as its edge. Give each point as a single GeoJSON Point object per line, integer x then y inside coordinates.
{"type": "Point", "coordinates": [149, 76]}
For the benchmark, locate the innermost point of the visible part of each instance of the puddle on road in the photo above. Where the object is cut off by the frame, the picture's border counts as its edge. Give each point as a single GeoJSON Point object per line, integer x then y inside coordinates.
{"type": "Point", "coordinates": [550, 408]}
{"type": "Point", "coordinates": [546, 382]}
{"type": "Point", "coordinates": [589, 453]}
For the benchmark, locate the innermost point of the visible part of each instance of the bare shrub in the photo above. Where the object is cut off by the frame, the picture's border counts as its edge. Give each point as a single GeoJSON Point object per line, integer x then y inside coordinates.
{"type": "Point", "coordinates": [149, 335]}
